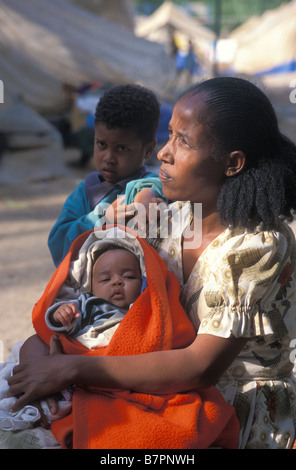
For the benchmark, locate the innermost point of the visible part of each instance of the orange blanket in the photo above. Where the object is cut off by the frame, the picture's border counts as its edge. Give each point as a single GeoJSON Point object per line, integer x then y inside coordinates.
{"type": "Point", "coordinates": [126, 420]}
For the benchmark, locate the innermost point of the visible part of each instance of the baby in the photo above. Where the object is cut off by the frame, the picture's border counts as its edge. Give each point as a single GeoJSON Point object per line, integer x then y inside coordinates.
{"type": "Point", "coordinates": [93, 317]}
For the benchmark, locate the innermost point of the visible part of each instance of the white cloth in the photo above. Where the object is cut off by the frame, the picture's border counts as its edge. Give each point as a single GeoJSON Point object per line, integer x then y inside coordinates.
{"type": "Point", "coordinates": [26, 417]}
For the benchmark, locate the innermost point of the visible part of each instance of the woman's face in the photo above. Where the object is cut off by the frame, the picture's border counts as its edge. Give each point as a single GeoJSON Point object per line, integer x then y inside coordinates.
{"type": "Point", "coordinates": [187, 172]}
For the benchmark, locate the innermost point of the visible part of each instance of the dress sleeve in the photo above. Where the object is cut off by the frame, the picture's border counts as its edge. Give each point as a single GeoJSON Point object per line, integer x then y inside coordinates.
{"type": "Point", "coordinates": [244, 294]}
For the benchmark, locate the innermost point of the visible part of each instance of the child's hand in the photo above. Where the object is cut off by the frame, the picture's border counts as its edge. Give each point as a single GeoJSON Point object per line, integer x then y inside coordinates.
{"type": "Point", "coordinates": [119, 213]}
{"type": "Point", "coordinates": [65, 313]}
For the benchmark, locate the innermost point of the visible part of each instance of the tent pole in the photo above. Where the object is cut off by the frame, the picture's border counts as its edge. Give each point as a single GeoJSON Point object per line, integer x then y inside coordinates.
{"type": "Point", "coordinates": [218, 12]}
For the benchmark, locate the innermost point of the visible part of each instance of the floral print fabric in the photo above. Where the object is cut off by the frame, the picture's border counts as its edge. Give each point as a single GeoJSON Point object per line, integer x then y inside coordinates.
{"type": "Point", "coordinates": [243, 284]}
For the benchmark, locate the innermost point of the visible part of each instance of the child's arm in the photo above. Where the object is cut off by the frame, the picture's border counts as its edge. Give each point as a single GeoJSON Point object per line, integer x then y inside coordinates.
{"type": "Point", "coordinates": [75, 218]}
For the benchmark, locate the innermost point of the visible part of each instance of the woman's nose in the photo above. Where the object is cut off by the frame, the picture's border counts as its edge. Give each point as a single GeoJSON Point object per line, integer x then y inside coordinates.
{"type": "Point", "coordinates": [164, 154]}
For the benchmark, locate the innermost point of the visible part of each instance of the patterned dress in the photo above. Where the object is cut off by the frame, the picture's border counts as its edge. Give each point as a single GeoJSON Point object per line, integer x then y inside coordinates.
{"type": "Point", "coordinates": [243, 284]}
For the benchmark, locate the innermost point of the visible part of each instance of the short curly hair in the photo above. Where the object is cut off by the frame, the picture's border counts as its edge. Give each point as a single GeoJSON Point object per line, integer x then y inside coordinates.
{"type": "Point", "coordinates": [239, 116]}
{"type": "Point", "coordinates": [132, 107]}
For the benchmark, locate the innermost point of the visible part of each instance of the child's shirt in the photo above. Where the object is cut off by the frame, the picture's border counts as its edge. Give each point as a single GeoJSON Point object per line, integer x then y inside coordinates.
{"type": "Point", "coordinates": [80, 212]}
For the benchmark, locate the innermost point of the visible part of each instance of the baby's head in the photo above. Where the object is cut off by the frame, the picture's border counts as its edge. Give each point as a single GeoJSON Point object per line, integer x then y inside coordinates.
{"type": "Point", "coordinates": [116, 276]}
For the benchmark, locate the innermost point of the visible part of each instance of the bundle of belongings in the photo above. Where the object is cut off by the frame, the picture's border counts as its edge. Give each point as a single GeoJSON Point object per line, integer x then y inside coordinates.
{"type": "Point", "coordinates": [156, 321]}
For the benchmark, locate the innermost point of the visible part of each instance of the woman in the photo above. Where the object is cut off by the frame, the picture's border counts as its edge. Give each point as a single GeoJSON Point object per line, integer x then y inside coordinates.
{"type": "Point", "coordinates": [238, 286]}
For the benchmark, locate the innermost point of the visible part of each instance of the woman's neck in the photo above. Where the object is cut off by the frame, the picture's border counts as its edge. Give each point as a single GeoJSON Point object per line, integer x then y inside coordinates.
{"type": "Point", "coordinates": [202, 231]}
{"type": "Point", "coordinates": [207, 221]}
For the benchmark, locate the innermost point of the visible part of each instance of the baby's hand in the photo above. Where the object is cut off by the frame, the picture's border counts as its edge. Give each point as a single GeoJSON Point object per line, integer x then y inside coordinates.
{"type": "Point", "coordinates": [65, 313]}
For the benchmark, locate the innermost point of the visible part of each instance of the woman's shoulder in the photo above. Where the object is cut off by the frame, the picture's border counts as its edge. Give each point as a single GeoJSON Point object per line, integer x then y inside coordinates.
{"type": "Point", "coordinates": [239, 238]}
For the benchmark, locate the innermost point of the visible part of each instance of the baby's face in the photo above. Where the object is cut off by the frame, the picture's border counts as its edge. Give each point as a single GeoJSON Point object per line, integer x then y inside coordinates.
{"type": "Point", "coordinates": [117, 277]}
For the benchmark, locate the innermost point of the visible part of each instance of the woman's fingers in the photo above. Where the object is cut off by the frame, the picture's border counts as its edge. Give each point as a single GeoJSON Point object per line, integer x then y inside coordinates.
{"type": "Point", "coordinates": [21, 401]}
{"type": "Point", "coordinates": [55, 345]}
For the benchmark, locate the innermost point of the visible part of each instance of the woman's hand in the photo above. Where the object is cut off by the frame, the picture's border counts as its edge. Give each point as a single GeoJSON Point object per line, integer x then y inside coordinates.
{"type": "Point", "coordinates": [40, 376]}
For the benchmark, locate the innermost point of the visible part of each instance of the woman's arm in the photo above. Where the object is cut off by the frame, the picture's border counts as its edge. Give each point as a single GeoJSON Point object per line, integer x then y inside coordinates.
{"type": "Point", "coordinates": [197, 366]}
{"type": "Point", "coordinates": [163, 372]}
{"type": "Point", "coordinates": [33, 347]}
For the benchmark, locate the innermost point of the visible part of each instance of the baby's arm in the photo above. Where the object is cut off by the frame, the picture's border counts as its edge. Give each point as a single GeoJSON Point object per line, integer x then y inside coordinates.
{"type": "Point", "coordinates": [65, 313]}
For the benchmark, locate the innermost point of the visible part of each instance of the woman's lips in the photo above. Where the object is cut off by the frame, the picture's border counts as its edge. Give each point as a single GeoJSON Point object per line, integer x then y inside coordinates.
{"type": "Point", "coordinates": [164, 176]}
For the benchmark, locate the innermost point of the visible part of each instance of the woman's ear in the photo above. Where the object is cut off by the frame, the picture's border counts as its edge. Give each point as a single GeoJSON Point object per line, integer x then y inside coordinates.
{"type": "Point", "coordinates": [235, 163]}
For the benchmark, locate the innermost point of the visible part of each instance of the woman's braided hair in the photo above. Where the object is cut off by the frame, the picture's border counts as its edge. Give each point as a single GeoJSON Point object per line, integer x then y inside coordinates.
{"type": "Point", "coordinates": [239, 116]}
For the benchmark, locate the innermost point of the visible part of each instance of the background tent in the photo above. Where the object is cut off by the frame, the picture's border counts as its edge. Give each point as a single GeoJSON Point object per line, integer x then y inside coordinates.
{"type": "Point", "coordinates": [117, 11]}
{"type": "Point", "coordinates": [33, 147]}
{"type": "Point", "coordinates": [267, 44]}
{"type": "Point", "coordinates": [47, 48]}
{"type": "Point", "coordinates": [170, 21]}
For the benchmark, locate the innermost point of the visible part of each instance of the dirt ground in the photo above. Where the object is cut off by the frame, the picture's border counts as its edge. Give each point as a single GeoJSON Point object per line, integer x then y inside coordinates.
{"type": "Point", "coordinates": [27, 213]}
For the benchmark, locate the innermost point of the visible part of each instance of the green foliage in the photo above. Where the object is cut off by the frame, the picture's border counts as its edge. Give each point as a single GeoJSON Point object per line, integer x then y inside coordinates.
{"type": "Point", "coordinates": [236, 12]}
{"type": "Point", "coordinates": [233, 12]}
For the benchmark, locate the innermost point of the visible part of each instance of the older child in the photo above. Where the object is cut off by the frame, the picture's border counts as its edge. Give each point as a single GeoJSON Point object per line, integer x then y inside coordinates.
{"type": "Point", "coordinates": [126, 122]}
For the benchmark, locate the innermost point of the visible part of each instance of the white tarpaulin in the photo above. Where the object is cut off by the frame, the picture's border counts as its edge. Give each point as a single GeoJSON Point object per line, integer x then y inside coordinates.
{"type": "Point", "coordinates": [33, 148]}
{"type": "Point", "coordinates": [117, 11]}
{"type": "Point", "coordinates": [267, 44]}
{"type": "Point", "coordinates": [47, 46]}
{"type": "Point", "coordinates": [169, 20]}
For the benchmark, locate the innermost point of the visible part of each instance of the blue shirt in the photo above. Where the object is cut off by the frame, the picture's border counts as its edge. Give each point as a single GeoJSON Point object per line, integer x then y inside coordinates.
{"type": "Point", "coordinates": [80, 211]}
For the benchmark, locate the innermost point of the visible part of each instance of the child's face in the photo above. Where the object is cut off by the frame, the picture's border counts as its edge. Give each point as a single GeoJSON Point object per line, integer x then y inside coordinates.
{"type": "Point", "coordinates": [118, 153]}
{"type": "Point", "coordinates": [117, 277]}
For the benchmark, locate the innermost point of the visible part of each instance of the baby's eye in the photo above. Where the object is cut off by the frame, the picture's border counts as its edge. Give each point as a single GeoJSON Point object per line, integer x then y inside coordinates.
{"type": "Point", "coordinates": [106, 279]}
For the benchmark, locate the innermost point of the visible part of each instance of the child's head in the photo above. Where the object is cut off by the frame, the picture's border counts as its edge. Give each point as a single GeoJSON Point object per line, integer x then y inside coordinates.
{"type": "Point", "coordinates": [116, 276]}
{"type": "Point", "coordinates": [126, 122]}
